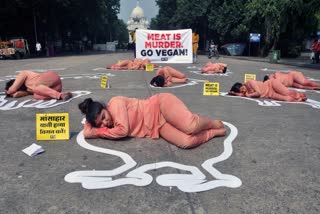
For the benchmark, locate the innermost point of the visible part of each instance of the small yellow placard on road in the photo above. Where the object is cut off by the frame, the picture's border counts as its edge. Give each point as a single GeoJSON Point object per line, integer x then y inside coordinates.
{"type": "Point", "coordinates": [53, 126]}
{"type": "Point", "coordinates": [249, 77]}
{"type": "Point", "coordinates": [104, 82]}
{"type": "Point", "coordinates": [119, 61]}
{"type": "Point", "coordinates": [211, 89]}
{"type": "Point", "coordinates": [149, 67]}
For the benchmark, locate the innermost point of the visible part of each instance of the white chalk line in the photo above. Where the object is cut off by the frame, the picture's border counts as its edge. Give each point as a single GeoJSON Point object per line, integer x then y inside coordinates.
{"type": "Point", "coordinates": [68, 76]}
{"type": "Point", "coordinates": [108, 69]}
{"type": "Point", "coordinates": [196, 181]}
{"type": "Point", "coordinates": [313, 103]}
{"type": "Point", "coordinates": [191, 81]}
{"type": "Point", "coordinates": [312, 79]}
{"type": "Point", "coordinates": [178, 85]}
{"type": "Point", "coordinates": [215, 74]}
{"type": "Point", "coordinates": [43, 70]}
{"type": "Point", "coordinates": [278, 70]}
{"type": "Point", "coordinates": [31, 103]}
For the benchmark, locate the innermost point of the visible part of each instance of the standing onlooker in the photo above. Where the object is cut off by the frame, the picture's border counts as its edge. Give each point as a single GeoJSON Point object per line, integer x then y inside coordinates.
{"type": "Point", "coordinates": [195, 41]}
{"type": "Point", "coordinates": [316, 50]}
{"type": "Point", "coordinates": [133, 37]}
{"type": "Point", "coordinates": [38, 48]}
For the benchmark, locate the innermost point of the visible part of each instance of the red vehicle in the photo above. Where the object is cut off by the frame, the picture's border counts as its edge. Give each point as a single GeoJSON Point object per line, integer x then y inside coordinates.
{"type": "Point", "coordinates": [14, 48]}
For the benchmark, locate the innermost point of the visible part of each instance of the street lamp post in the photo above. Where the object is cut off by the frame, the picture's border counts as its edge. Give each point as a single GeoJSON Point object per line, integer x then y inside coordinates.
{"type": "Point", "coordinates": [35, 26]}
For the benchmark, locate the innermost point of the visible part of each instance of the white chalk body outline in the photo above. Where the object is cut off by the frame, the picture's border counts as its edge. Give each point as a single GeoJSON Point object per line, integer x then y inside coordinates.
{"type": "Point", "coordinates": [313, 103]}
{"type": "Point", "coordinates": [67, 76]}
{"type": "Point", "coordinates": [178, 85]}
{"type": "Point", "coordinates": [278, 70]}
{"type": "Point", "coordinates": [195, 181]}
{"type": "Point", "coordinates": [191, 81]}
{"type": "Point", "coordinates": [214, 74]}
{"type": "Point", "coordinates": [32, 103]}
{"type": "Point", "coordinates": [40, 70]}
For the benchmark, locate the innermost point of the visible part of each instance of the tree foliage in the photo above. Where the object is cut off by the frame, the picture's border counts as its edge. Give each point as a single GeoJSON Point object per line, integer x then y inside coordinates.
{"type": "Point", "coordinates": [283, 24]}
{"type": "Point", "coordinates": [60, 19]}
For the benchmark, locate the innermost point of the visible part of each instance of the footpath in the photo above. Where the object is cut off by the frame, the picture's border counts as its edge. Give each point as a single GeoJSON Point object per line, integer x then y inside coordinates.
{"type": "Point", "coordinates": [302, 61]}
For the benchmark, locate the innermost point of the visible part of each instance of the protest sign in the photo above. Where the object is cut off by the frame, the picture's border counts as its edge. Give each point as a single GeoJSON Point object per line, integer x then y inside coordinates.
{"type": "Point", "coordinates": [211, 89]}
{"type": "Point", "coordinates": [53, 126]}
{"type": "Point", "coordinates": [169, 46]}
{"type": "Point", "coordinates": [104, 83]}
{"type": "Point", "coordinates": [249, 77]}
{"type": "Point", "coordinates": [149, 67]}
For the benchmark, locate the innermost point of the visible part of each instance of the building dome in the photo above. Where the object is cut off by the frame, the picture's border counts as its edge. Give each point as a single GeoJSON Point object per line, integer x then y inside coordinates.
{"type": "Point", "coordinates": [137, 20]}
{"type": "Point", "coordinates": [137, 12]}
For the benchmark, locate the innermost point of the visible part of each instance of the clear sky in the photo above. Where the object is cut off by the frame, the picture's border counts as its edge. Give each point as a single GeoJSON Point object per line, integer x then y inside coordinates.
{"type": "Point", "coordinates": [126, 6]}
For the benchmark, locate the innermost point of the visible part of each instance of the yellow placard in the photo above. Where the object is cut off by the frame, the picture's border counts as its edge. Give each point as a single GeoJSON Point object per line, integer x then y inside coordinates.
{"type": "Point", "coordinates": [53, 126]}
{"type": "Point", "coordinates": [211, 89]}
{"type": "Point", "coordinates": [149, 67]}
{"type": "Point", "coordinates": [119, 61]}
{"type": "Point", "coordinates": [104, 82]}
{"type": "Point", "coordinates": [249, 77]}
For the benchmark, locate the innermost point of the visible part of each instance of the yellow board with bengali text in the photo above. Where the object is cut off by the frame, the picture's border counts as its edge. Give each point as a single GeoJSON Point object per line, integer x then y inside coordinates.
{"type": "Point", "coordinates": [249, 77]}
{"type": "Point", "coordinates": [211, 89]}
{"type": "Point", "coordinates": [52, 126]}
{"type": "Point", "coordinates": [104, 82]}
{"type": "Point", "coordinates": [149, 67]}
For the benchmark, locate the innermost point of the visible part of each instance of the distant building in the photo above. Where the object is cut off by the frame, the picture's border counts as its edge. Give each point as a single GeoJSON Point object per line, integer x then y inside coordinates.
{"type": "Point", "coordinates": [137, 20]}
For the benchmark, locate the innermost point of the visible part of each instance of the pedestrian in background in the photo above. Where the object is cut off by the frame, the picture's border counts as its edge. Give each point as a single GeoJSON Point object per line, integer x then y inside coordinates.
{"type": "Point", "coordinates": [133, 37]}
{"type": "Point", "coordinates": [195, 41]}
{"type": "Point", "coordinates": [38, 48]}
{"type": "Point", "coordinates": [315, 48]}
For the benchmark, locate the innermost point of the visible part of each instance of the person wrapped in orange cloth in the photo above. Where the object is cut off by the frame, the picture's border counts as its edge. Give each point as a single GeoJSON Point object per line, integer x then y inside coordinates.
{"type": "Point", "coordinates": [211, 68]}
{"type": "Point", "coordinates": [136, 64]}
{"type": "Point", "coordinates": [43, 86]}
{"type": "Point", "coordinates": [195, 45]}
{"type": "Point", "coordinates": [162, 115]}
{"type": "Point", "coordinates": [294, 79]}
{"type": "Point", "coordinates": [166, 76]}
{"type": "Point", "coordinates": [272, 89]}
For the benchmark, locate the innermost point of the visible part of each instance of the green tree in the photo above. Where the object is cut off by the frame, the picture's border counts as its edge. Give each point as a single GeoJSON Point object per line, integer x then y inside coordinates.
{"type": "Point", "coordinates": [121, 31]}
{"type": "Point", "coordinates": [164, 18]}
{"type": "Point", "coordinates": [284, 24]}
{"type": "Point", "coordinates": [56, 19]}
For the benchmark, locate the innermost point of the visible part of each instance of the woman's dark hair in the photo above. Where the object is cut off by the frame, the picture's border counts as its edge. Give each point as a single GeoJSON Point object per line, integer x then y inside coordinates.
{"type": "Point", "coordinates": [265, 78]}
{"type": "Point", "coordinates": [224, 69]}
{"type": "Point", "coordinates": [236, 87]}
{"type": "Point", "coordinates": [157, 81]}
{"type": "Point", "coordinates": [10, 83]}
{"type": "Point", "coordinates": [91, 109]}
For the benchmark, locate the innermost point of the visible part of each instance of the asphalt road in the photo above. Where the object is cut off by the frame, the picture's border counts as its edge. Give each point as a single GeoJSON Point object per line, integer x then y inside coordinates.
{"type": "Point", "coordinates": [267, 163]}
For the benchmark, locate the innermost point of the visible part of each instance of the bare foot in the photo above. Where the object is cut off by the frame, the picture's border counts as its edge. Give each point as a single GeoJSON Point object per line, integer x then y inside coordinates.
{"type": "Point", "coordinates": [217, 124]}
{"type": "Point", "coordinates": [219, 132]}
{"type": "Point", "coordinates": [66, 96]}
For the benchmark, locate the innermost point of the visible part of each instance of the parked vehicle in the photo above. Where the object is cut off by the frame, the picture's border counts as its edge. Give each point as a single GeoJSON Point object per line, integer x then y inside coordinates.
{"type": "Point", "coordinates": [14, 48]}
{"type": "Point", "coordinates": [213, 51]}
{"type": "Point", "coordinates": [233, 49]}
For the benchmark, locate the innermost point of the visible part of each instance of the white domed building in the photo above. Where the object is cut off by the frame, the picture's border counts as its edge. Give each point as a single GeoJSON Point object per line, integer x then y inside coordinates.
{"type": "Point", "coordinates": [137, 20]}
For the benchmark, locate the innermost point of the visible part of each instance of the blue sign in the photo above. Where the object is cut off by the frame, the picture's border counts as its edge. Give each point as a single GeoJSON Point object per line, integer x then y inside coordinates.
{"type": "Point", "coordinates": [255, 37]}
